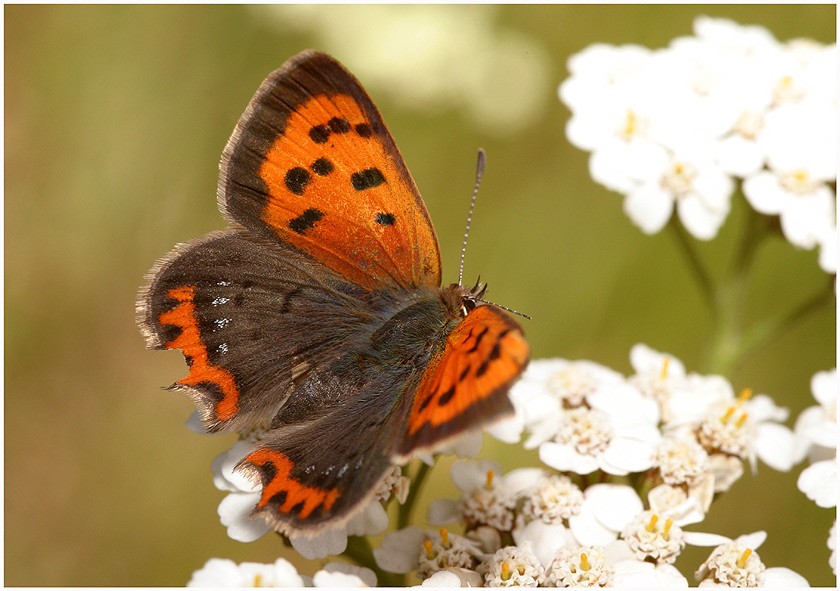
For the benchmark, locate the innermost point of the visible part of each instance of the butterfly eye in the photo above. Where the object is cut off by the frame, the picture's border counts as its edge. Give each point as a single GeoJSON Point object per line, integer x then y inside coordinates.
{"type": "Point", "coordinates": [468, 306]}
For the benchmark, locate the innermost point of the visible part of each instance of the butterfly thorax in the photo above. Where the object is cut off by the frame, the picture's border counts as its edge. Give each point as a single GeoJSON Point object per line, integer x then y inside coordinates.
{"type": "Point", "coordinates": [416, 327]}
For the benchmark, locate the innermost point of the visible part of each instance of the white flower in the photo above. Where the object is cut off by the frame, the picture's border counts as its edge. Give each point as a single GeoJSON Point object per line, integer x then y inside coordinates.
{"type": "Point", "coordinates": [819, 483]}
{"type": "Point", "coordinates": [684, 398]}
{"type": "Point", "coordinates": [652, 538]}
{"type": "Point", "coordinates": [690, 179]}
{"type": "Point", "coordinates": [487, 538]}
{"type": "Point", "coordinates": [454, 577]}
{"type": "Point", "coordinates": [748, 427]}
{"type": "Point", "coordinates": [487, 496]}
{"type": "Point", "coordinates": [630, 571]}
{"type": "Point", "coordinates": [443, 551]}
{"type": "Point", "coordinates": [801, 151]}
{"type": "Point", "coordinates": [738, 80]}
{"type": "Point", "coordinates": [666, 128]}
{"type": "Point", "coordinates": [513, 566]}
{"type": "Point", "coordinates": [342, 574]}
{"type": "Point", "coordinates": [731, 564]}
{"type": "Point", "coordinates": [828, 250]}
{"type": "Point", "coordinates": [235, 509]}
{"type": "Point", "coordinates": [602, 70]}
{"type": "Point", "coordinates": [681, 461]}
{"type": "Point", "coordinates": [616, 432]}
{"type": "Point", "coordinates": [412, 549]}
{"type": "Point", "coordinates": [802, 70]}
{"type": "Point", "coordinates": [832, 545]}
{"type": "Point", "coordinates": [736, 564]}
{"type": "Point", "coordinates": [329, 542]}
{"type": "Point", "coordinates": [733, 38]}
{"type": "Point", "coordinates": [399, 550]}
{"type": "Point", "coordinates": [725, 471]}
{"type": "Point", "coordinates": [465, 446]}
{"type": "Point", "coordinates": [690, 403]}
{"type": "Point", "coordinates": [585, 566]}
{"type": "Point", "coordinates": [645, 575]}
{"type": "Point", "coordinates": [553, 500]}
{"type": "Point", "coordinates": [673, 502]}
{"type": "Point", "coordinates": [222, 572]}
{"type": "Point", "coordinates": [816, 426]}
{"type": "Point", "coordinates": [545, 387]}
{"type": "Point", "coordinates": [544, 538]}
{"type": "Point", "coordinates": [606, 511]}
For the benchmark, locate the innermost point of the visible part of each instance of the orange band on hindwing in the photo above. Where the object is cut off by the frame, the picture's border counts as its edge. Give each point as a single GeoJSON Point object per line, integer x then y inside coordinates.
{"type": "Point", "coordinates": [295, 493]}
{"type": "Point", "coordinates": [190, 343]}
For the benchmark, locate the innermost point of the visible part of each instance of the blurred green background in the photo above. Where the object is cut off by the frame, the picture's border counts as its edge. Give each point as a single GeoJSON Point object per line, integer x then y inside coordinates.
{"type": "Point", "coordinates": [115, 118]}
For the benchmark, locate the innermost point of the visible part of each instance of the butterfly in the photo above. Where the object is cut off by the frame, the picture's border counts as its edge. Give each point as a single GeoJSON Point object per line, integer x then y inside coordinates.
{"type": "Point", "coordinates": [318, 316]}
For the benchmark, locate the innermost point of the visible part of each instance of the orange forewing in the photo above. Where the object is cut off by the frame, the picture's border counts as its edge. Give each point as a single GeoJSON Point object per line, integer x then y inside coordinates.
{"type": "Point", "coordinates": [353, 219]}
{"type": "Point", "coordinates": [312, 164]}
{"type": "Point", "coordinates": [482, 356]}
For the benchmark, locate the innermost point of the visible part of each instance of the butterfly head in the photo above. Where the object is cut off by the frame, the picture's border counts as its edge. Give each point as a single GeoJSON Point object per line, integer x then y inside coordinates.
{"type": "Point", "coordinates": [461, 300]}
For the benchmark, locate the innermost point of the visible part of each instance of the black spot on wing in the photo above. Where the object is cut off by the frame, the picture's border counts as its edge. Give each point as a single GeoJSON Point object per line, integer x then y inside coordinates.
{"type": "Point", "coordinates": [296, 179]}
{"type": "Point", "coordinates": [385, 219]}
{"type": "Point", "coordinates": [319, 133]}
{"type": "Point", "coordinates": [494, 354]}
{"type": "Point", "coordinates": [367, 179]}
{"type": "Point", "coordinates": [425, 403]}
{"type": "Point", "coordinates": [306, 221]}
{"type": "Point", "coordinates": [338, 125]}
{"type": "Point", "coordinates": [478, 340]}
{"type": "Point", "coordinates": [446, 396]}
{"type": "Point", "coordinates": [322, 167]}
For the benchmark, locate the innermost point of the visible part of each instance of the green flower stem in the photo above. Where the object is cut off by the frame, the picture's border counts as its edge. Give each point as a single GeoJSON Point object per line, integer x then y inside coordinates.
{"type": "Point", "coordinates": [764, 332]}
{"type": "Point", "coordinates": [730, 340]}
{"type": "Point", "coordinates": [729, 343]}
{"type": "Point", "coordinates": [726, 340]}
{"type": "Point", "coordinates": [695, 264]}
{"type": "Point", "coordinates": [404, 515]}
{"type": "Point", "coordinates": [360, 551]}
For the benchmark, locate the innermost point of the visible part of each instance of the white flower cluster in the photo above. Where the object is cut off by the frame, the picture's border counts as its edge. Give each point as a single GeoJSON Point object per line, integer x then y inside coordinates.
{"type": "Point", "coordinates": [679, 437]}
{"type": "Point", "coordinates": [602, 537]}
{"type": "Point", "coordinates": [221, 572]}
{"type": "Point", "coordinates": [691, 429]}
{"type": "Point", "coordinates": [816, 438]}
{"type": "Point", "coordinates": [672, 128]}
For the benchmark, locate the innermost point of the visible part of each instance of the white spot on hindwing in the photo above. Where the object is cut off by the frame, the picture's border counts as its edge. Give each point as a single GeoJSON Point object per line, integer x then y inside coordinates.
{"type": "Point", "coordinates": [221, 323]}
{"type": "Point", "coordinates": [220, 300]}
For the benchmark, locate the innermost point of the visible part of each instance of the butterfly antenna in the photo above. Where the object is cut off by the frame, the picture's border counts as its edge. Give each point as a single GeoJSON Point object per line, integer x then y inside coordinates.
{"type": "Point", "coordinates": [511, 310]}
{"type": "Point", "coordinates": [479, 172]}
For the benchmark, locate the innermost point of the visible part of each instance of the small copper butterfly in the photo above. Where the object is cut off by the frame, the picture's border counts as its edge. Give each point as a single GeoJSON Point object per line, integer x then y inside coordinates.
{"type": "Point", "coordinates": [318, 314]}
